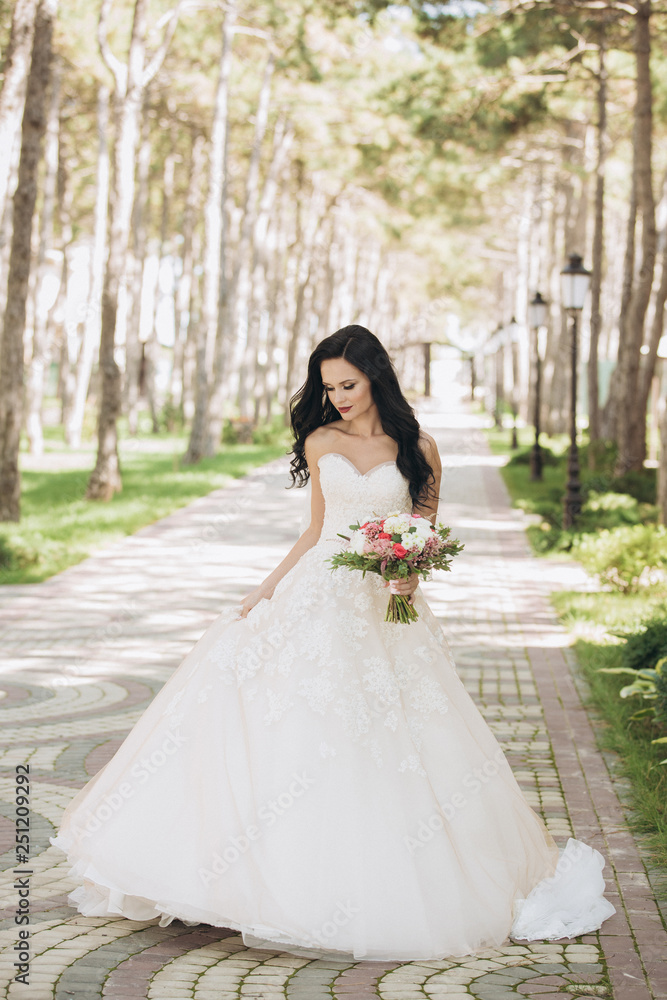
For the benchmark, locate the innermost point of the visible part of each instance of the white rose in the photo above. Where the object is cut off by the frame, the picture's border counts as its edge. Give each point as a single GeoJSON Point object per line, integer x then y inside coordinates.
{"type": "Point", "coordinates": [421, 524]}
{"type": "Point", "coordinates": [396, 524]}
{"type": "Point", "coordinates": [357, 542]}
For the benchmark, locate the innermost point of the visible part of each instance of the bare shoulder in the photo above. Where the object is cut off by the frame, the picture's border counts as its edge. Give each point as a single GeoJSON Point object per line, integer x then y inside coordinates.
{"type": "Point", "coordinates": [429, 448]}
{"type": "Point", "coordinates": [318, 443]}
{"type": "Point", "coordinates": [318, 438]}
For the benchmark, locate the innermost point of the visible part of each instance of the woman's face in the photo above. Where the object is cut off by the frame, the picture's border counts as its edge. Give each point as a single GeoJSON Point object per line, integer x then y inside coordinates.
{"type": "Point", "coordinates": [347, 388]}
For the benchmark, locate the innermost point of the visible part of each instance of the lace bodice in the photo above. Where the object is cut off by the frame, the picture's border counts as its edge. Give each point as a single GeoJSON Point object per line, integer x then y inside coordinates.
{"type": "Point", "coordinates": [350, 495]}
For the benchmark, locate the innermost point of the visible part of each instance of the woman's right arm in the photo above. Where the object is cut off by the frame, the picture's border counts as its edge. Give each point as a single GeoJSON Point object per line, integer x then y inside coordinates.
{"type": "Point", "coordinates": [306, 541]}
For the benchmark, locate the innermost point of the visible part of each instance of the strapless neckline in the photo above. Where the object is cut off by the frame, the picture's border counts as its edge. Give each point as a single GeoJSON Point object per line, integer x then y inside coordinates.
{"type": "Point", "coordinates": [362, 475]}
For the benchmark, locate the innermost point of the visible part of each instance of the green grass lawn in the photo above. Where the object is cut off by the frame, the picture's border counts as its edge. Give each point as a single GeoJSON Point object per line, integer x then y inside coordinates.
{"type": "Point", "coordinates": [500, 440]}
{"type": "Point", "coordinates": [638, 761]}
{"type": "Point", "coordinates": [59, 528]}
{"type": "Point", "coordinates": [517, 477]}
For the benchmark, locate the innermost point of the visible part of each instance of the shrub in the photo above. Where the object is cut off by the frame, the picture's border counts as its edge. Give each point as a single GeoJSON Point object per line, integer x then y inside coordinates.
{"type": "Point", "coordinates": [547, 537]}
{"type": "Point", "coordinates": [16, 554]}
{"type": "Point", "coordinates": [615, 508]}
{"type": "Point", "coordinates": [229, 433]}
{"type": "Point", "coordinates": [522, 457]}
{"type": "Point", "coordinates": [274, 432]}
{"type": "Point", "coordinates": [606, 453]}
{"type": "Point", "coordinates": [600, 511]}
{"type": "Point", "coordinates": [651, 686]}
{"type": "Point", "coordinates": [641, 485]}
{"type": "Point", "coordinates": [646, 645]}
{"type": "Point", "coordinates": [625, 558]}
{"type": "Point", "coordinates": [170, 417]}
{"type": "Point", "coordinates": [660, 707]}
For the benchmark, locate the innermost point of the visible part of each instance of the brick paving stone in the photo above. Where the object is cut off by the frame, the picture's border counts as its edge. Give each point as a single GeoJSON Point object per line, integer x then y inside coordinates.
{"type": "Point", "coordinates": [494, 993]}
{"type": "Point", "coordinates": [85, 652]}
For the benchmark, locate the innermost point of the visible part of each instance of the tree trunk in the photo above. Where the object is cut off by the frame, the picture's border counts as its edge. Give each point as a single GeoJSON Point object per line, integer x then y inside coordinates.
{"type": "Point", "coordinates": [328, 291]}
{"type": "Point", "coordinates": [306, 235]}
{"type": "Point", "coordinates": [136, 267]}
{"type": "Point", "coordinates": [34, 394]}
{"type": "Point", "coordinates": [649, 361]}
{"type": "Point", "coordinates": [629, 435]}
{"type": "Point", "coordinates": [282, 141]}
{"type": "Point", "coordinates": [192, 335]}
{"type": "Point", "coordinates": [598, 249]}
{"type": "Point", "coordinates": [214, 239]}
{"type": "Point", "coordinates": [91, 330]}
{"type": "Point", "coordinates": [232, 317]}
{"type": "Point", "coordinates": [612, 407]}
{"type": "Point", "coordinates": [17, 62]}
{"type": "Point", "coordinates": [66, 380]}
{"type": "Point", "coordinates": [152, 343]}
{"type": "Point", "coordinates": [131, 82]}
{"type": "Point", "coordinates": [571, 222]}
{"type": "Point", "coordinates": [276, 279]}
{"type": "Point", "coordinates": [11, 349]}
{"type": "Point", "coordinates": [662, 468]}
{"type": "Point", "coordinates": [184, 280]}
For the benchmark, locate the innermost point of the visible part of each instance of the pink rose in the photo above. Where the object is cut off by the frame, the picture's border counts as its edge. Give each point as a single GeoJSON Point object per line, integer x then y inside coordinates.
{"type": "Point", "coordinates": [399, 550]}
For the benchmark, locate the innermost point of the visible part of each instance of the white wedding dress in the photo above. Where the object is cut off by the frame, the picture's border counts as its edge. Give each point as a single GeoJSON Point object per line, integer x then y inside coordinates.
{"type": "Point", "coordinates": [321, 781]}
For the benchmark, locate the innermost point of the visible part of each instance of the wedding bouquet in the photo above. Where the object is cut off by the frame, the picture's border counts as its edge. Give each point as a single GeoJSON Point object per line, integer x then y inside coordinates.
{"type": "Point", "coordinates": [394, 547]}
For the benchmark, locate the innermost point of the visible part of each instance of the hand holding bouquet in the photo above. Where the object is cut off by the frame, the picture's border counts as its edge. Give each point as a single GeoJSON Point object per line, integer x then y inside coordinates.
{"type": "Point", "coordinates": [394, 547]}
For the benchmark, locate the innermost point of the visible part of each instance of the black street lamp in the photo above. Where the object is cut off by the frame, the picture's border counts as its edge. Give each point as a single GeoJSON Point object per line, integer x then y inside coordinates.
{"type": "Point", "coordinates": [574, 286]}
{"type": "Point", "coordinates": [537, 314]}
{"type": "Point", "coordinates": [470, 358]}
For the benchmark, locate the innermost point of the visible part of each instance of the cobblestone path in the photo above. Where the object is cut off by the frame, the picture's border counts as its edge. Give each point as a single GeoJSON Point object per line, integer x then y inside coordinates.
{"type": "Point", "coordinates": [84, 653]}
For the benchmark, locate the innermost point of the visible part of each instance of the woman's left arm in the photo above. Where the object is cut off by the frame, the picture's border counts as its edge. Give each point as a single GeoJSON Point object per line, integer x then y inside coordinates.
{"type": "Point", "coordinates": [429, 509]}
{"type": "Point", "coordinates": [430, 451]}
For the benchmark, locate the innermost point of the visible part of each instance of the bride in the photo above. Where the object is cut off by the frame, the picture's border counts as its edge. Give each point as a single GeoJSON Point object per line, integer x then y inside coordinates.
{"type": "Point", "coordinates": [313, 776]}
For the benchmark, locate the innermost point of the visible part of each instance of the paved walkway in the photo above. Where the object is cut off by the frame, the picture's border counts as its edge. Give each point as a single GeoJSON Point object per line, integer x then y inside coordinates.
{"type": "Point", "coordinates": [84, 652]}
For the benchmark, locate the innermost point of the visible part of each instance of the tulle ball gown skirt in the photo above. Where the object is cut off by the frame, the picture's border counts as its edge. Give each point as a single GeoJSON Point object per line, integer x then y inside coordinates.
{"type": "Point", "coordinates": [320, 780]}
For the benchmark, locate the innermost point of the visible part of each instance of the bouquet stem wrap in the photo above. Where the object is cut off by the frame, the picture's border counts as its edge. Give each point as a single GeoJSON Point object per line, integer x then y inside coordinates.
{"type": "Point", "coordinates": [400, 610]}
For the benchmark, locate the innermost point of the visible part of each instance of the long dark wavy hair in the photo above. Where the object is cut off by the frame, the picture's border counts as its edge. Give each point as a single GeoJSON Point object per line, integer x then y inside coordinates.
{"type": "Point", "coordinates": [310, 407]}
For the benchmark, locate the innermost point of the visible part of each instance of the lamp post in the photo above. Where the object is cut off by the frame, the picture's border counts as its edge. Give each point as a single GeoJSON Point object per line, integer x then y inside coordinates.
{"type": "Point", "coordinates": [470, 358]}
{"type": "Point", "coordinates": [537, 314]}
{"type": "Point", "coordinates": [574, 286]}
